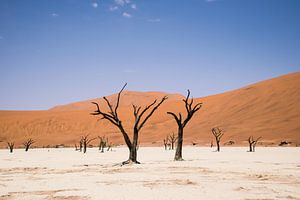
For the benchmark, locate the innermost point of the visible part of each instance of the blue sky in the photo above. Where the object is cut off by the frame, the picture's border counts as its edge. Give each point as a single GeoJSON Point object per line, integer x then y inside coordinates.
{"type": "Point", "coordinates": [59, 51]}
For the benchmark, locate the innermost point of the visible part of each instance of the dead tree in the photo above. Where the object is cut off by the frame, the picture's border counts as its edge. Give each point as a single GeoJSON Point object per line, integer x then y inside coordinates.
{"type": "Point", "coordinates": [218, 133]}
{"type": "Point", "coordinates": [85, 141]}
{"type": "Point", "coordinates": [103, 143]}
{"type": "Point", "coordinates": [191, 110]}
{"type": "Point", "coordinates": [172, 140]}
{"type": "Point", "coordinates": [80, 145]}
{"type": "Point", "coordinates": [140, 119]}
{"type": "Point", "coordinates": [166, 142]}
{"type": "Point", "coordinates": [109, 146]}
{"type": "Point", "coordinates": [11, 146]}
{"type": "Point", "coordinates": [252, 143]}
{"type": "Point", "coordinates": [28, 143]}
{"type": "Point", "coordinates": [77, 148]}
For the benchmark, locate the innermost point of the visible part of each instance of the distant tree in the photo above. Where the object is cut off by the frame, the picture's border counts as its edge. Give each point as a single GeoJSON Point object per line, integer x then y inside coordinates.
{"type": "Point", "coordinates": [28, 143]}
{"type": "Point", "coordinates": [76, 147]}
{"type": "Point", "coordinates": [103, 143]}
{"type": "Point", "coordinates": [80, 145]}
{"type": "Point", "coordinates": [11, 146]}
{"type": "Point", "coordinates": [172, 140]}
{"type": "Point", "coordinates": [252, 143]}
{"type": "Point", "coordinates": [109, 146]}
{"type": "Point", "coordinates": [166, 140]}
{"type": "Point", "coordinates": [140, 120]}
{"type": "Point", "coordinates": [217, 132]}
{"type": "Point", "coordinates": [191, 110]}
{"type": "Point", "coordinates": [85, 142]}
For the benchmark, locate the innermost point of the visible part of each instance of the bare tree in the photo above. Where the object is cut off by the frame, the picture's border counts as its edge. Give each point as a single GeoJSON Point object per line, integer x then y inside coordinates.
{"type": "Point", "coordinates": [252, 143]}
{"type": "Point", "coordinates": [103, 143]}
{"type": "Point", "coordinates": [166, 140]}
{"type": "Point", "coordinates": [139, 122]}
{"type": "Point", "coordinates": [191, 110]}
{"type": "Point", "coordinates": [217, 132]}
{"type": "Point", "coordinates": [172, 140]}
{"type": "Point", "coordinates": [28, 143]}
{"type": "Point", "coordinates": [109, 146]}
{"type": "Point", "coordinates": [85, 142]}
{"type": "Point", "coordinates": [11, 146]}
{"type": "Point", "coordinates": [80, 145]}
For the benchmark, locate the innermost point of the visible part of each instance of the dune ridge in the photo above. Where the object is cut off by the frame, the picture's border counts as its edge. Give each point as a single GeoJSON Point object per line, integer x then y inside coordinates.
{"type": "Point", "coordinates": [269, 108]}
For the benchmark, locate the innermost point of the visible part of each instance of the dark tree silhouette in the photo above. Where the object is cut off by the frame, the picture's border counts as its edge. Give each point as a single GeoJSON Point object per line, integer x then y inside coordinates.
{"type": "Point", "coordinates": [28, 143]}
{"type": "Point", "coordinates": [252, 143]}
{"type": "Point", "coordinates": [166, 140]}
{"type": "Point", "coordinates": [172, 140]}
{"type": "Point", "coordinates": [217, 132]}
{"type": "Point", "coordinates": [139, 122]}
{"type": "Point", "coordinates": [85, 142]}
{"type": "Point", "coordinates": [11, 146]}
{"type": "Point", "coordinates": [191, 110]}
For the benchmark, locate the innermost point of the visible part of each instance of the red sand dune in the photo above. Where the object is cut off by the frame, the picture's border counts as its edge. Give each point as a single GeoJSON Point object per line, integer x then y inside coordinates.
{"type": "Point", "coordinates": [270, 109]}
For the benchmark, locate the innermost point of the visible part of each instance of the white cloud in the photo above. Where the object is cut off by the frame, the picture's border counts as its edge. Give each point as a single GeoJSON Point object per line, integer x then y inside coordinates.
{"type": "Point", "coordinates": [127, 15]}
{"type": "Point", "coordinates": [54, 14]}
{"type": "Point", "coordinates": [154, 20]}
{"type": "Point", "coordinates": [133, 6]}
{"type": "Point", "coordinates": [95, 4]}
{"type": "Point", "coordinates": [113, 8]}
{"type": "Point", "coordinates": [122, 2]}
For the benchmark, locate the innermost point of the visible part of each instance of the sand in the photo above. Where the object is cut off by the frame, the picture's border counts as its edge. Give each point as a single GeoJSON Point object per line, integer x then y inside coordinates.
{"type": "Point", "coordinates": [233, 173]}
{"type": "Point", "coordinates": [270, 109]}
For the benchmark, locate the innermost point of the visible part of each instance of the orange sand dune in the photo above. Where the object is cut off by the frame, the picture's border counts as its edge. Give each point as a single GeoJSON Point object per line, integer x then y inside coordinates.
{"type": "Point", "coordinates": [270, 109]}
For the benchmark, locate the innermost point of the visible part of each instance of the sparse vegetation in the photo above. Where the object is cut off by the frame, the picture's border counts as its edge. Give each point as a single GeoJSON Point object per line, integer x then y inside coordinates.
{"type": "Point", "coordinates": [28, 143]}
{"type": "Point", "coordinates": [252, 143]}
{"type": "Point", "coordinates": [103, 143]}
{"type": "Point", "coordinates": [113, 117]}
{"type": "Point", "coordinates": [85, 142]}
{"type": "Point", "coordinates": [11, 146]}
{"type": "Point", "coordinates": [191, 110]}
{"type": "Point", "coordinates": [218, 133]}
{"type": "Point", "coordinates": [166, 140]}
{"type": "Point", "coordinates": [172, 140]}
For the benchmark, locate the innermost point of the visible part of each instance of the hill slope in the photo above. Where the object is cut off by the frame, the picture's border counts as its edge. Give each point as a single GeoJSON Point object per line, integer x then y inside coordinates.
{"type": "Point", "coordinates": [270, 109]}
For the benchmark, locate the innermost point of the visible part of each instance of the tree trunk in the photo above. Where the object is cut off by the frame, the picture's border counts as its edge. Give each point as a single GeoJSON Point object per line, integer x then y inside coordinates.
{"type": "Point", "coordinates": [178, 154]}
{"type": "Point", "coordinates": [133, 149]}
{"type": "Point", "coordinates": [250, 147]}
{"type": "Point", "coordinates": [26, 148]}
{"type": "Point", "coordinates": [84, 148]}
{"type": "Point", "coordinates": [11, 150]}
{"type": "Point", "coordinates": [218, 146]}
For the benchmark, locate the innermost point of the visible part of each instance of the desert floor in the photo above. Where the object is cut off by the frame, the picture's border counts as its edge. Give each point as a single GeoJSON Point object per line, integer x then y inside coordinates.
{"type": "Point", "coordinates": [233, 173]}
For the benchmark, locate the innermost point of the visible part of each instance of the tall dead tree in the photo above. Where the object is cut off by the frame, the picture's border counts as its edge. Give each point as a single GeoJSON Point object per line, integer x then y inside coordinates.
{"type": "Point", "coordinates": [166, 140]}
{"type": "Point", "coordinates": [11, 146]}
{"type": "Point", "coordinates": [28, 143]}
{"type": "Point", "coordinates": [85, 142]}
{"type": "Point", "coordinates": [191, 110]}
{"type": "Point", "coordinates": [252, 143]}
{"type": "Point", "coordinates": [140, 119]}
{"type": "Point", "coordinates": [218, 133]}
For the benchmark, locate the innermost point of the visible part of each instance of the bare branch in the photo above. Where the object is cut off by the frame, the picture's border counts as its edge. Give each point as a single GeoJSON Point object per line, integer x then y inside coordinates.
{"type": "Point", "coordinates": [152, 111]}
